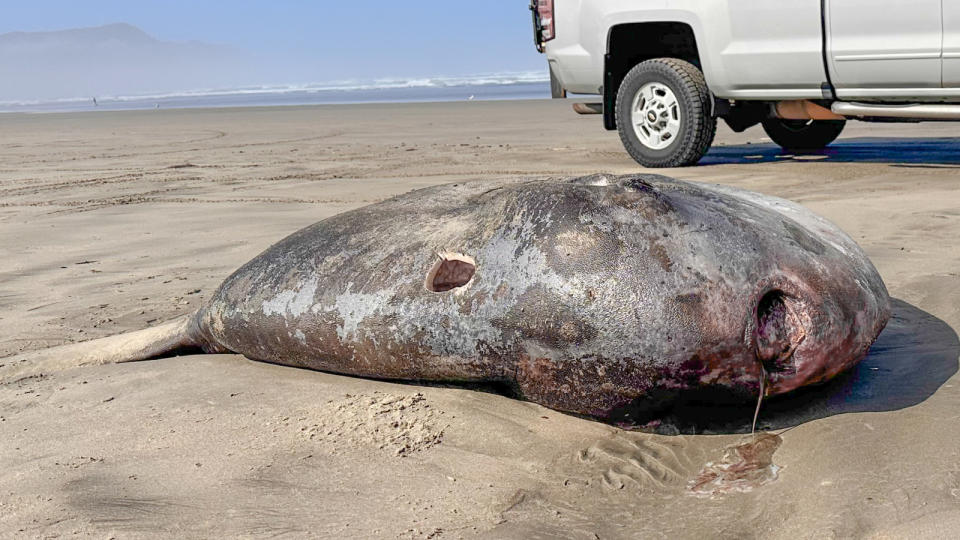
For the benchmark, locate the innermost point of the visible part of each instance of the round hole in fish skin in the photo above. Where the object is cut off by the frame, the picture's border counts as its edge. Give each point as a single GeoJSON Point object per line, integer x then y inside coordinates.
{"type": "Point", "coordinates": [451, 271]}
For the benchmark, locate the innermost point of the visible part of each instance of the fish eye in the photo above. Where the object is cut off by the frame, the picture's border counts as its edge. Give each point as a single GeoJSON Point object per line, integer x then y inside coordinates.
{"type": "Point", "coordinates": [451, 271]}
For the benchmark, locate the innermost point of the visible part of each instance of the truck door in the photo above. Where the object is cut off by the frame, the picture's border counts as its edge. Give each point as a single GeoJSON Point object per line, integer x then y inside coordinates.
{"type": "Point", "coordinates": [884, 47]}
{"type": "Point", "coordinates": [951, 44]}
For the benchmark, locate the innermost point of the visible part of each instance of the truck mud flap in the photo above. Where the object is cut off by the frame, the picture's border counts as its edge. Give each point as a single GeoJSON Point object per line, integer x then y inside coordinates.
{"type": "Point", "coordinates": [557, 91]}
{"type": "Point", "coordinates": [609, 96]}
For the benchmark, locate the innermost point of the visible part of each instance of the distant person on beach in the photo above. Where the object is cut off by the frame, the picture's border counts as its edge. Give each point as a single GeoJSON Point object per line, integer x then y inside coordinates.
{"type": "Point", "coordinates": [94, 102]}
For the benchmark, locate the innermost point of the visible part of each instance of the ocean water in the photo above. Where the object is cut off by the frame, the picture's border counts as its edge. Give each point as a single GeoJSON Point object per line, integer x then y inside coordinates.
{"type": "Point", "coordinates": [525, 85]}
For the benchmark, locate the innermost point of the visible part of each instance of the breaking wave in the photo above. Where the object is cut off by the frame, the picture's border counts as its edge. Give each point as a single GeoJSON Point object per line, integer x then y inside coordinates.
{"type": "Point", "coordinates": [505, 79]}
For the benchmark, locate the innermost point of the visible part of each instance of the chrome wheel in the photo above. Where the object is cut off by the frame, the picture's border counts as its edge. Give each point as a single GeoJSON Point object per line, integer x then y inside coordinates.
{"type": "Point", "coordinates": [655, 116]}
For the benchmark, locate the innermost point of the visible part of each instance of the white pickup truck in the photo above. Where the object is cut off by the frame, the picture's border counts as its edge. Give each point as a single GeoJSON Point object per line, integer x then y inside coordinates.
{"type": "Point", "coordinates": [667, 69]}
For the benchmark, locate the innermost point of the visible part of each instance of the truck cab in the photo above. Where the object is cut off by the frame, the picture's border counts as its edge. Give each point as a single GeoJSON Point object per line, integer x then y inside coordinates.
{"type": "Point", "coordinates": [668, 69]}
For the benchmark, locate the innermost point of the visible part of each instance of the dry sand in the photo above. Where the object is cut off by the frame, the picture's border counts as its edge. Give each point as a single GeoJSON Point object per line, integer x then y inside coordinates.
{"type": "Point", "coordinates": [111, 222]}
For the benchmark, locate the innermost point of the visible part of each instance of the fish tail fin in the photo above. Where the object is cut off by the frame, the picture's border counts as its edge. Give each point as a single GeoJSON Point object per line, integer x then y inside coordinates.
{"type": "Point", "coordinates": [181, 333]}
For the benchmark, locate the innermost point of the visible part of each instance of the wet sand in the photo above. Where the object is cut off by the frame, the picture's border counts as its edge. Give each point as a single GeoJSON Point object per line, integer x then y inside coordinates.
{"type": "Point", "coordinates": [111, 222]}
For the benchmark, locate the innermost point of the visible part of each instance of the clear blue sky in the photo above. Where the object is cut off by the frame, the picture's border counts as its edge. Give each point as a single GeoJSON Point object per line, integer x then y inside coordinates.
{"type": "Point", "coordinates": [328, 39]}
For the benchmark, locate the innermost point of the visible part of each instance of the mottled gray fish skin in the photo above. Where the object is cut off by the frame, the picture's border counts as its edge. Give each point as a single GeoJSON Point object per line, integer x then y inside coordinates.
{"type": "Point", "coordinates": [594, 295]}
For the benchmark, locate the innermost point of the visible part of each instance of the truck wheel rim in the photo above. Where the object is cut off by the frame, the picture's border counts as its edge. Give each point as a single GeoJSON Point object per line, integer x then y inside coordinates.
{"type": "Point", "coordinates": [655, 116]}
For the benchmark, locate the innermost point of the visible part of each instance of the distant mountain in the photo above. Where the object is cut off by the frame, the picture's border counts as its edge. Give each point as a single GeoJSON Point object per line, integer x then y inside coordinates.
{"type": "Point", "coordinates": [114, 59]}
{"type": "Point", "coordinates": [110, 35]}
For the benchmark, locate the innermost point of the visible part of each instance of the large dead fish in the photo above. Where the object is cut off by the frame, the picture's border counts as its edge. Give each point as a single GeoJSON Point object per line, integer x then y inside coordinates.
{"type": "Point", "coordinates": [605, 296]}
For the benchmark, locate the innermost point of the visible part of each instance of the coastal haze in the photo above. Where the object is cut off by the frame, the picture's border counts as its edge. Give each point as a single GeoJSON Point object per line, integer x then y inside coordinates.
{"type": "Point", "coordinates": [120, 66]}
{"type": "Point", "coordinates": [115, 59]}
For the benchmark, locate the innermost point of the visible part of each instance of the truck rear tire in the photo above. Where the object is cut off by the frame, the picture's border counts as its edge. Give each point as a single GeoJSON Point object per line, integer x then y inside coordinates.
{"type": "Point", "coordinates": [664, 115]}
{"type": "Point", "coordinates": [803, 134]}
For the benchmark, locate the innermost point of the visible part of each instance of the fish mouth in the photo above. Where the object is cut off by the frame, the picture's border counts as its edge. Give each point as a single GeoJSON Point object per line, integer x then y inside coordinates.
{"type": "Point", "coordinates": [779, 331]}
{"type": "Point", "coordinates": [802, 336]}
{"type": "Point", "coordinates": [782, 337]}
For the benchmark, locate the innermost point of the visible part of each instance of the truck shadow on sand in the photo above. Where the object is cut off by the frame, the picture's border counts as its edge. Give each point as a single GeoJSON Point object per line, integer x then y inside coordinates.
{"type": "Point", "coordinates": [915, 354]}
{"type": "Point", "coordinates": [942, 151]}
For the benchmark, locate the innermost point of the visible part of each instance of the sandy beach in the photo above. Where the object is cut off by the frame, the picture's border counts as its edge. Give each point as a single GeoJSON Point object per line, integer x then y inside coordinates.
{"type": "Point", "coordinates": [117, 221]}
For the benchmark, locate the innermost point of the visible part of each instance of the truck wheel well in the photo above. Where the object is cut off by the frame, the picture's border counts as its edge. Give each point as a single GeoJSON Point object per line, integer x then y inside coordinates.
{"type": "Point", "coordinates": [630, 44]}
